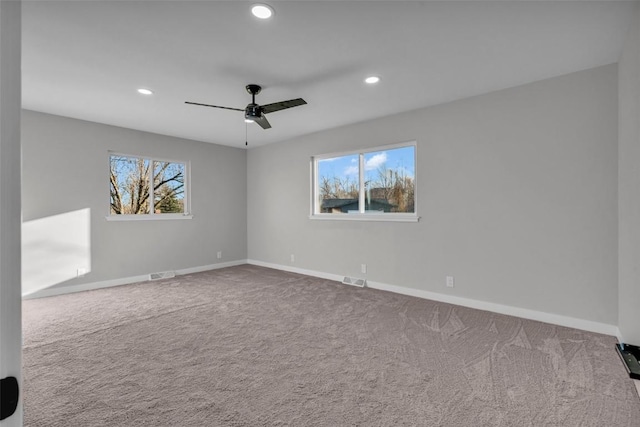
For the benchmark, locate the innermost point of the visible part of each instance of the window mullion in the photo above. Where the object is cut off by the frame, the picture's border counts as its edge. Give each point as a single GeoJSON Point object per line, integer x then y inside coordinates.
{"type": "Point", "coordinates": [152, 190]}
{"type": "Point", "coordinates": [361, 183]}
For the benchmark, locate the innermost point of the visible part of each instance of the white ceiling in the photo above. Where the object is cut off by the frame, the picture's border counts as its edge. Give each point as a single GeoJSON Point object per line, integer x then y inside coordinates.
{"type": "Point", "coordinates": [85, 59]}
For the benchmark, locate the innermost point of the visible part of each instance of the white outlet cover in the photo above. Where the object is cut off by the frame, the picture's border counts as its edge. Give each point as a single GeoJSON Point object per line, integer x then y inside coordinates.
{"type": "Point", "coordinates": [450, 282]}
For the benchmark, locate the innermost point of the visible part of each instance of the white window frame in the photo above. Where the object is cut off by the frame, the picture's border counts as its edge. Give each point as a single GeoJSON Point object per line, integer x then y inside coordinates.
{"type": "Point", "coordinates": [151, 215]}
{"type": "Point", "coordinates": [362, 216]}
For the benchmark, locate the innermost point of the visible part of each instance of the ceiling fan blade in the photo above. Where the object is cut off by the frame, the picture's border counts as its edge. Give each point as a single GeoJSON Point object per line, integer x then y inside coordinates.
{"type": "Point", "coordinates": [214, 106]}
{"type": "Point", "coordinates": [277, 106]}
{"type": "Point", "coordinates": [263, 122]}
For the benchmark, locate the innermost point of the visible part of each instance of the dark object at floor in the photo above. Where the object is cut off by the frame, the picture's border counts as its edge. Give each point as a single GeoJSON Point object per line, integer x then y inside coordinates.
{"type": "Point", "coordinates": [630, 354]}
{"type": "Point", "coordinates": [9, 394]}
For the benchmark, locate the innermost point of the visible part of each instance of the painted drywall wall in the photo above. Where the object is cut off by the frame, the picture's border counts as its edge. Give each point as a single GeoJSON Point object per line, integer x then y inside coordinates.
{"type": "Point", "coordinates": [66, 190]}
{"type": "Point", "coordinates": [629, 186]}
{"type": "Point", "coordinates": [10, 307]}
{"type": "Point", "coordinates": [516, 190]}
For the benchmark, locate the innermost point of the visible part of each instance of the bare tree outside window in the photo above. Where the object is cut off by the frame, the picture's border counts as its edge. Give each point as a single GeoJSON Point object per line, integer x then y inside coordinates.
{"type": "Point", "coordinates": [168, 184]}
{"type": "Point", "coordinates": [389, 176]}
{"type": "Point", "coordinates": [141, 186]}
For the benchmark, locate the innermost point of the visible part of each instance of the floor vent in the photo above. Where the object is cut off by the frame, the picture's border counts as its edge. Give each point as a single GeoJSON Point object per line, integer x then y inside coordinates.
{"type": "Point", "coordinates": [162, 275]}
{"type": "Point", "coordinates": [361, 283]}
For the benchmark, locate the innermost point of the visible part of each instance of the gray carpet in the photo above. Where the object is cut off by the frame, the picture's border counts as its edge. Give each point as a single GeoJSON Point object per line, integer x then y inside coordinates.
{"type": "Point", "coordinates": [250, 346]}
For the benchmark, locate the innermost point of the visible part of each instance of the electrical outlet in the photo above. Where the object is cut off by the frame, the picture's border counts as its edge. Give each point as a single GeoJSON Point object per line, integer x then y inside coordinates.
{"type": "Point", "coordinates": [363, 268]}
{"type": "Point", "coordinates": [293, 258]}
{"type": "Point", "coordinates": [82, 271]}
{"type": "Point", "coordinates": [219, 254]}
{"type": "Point", "coordinates": [450, 282]}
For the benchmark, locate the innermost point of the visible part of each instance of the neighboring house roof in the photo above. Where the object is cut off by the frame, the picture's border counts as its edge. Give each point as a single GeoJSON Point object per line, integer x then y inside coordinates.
{"type": "Point", "coordinates": [338, 203]}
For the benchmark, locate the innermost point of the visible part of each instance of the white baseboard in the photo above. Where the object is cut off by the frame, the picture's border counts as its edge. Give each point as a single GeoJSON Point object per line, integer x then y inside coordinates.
{"type": "Point", "coordinates": [211, 267]}
{"type": "Point", "coordinates": [525, 313]}
{"type": "Point", "coordinates": [290, 269]}
{"type": "Point", "coordinates": [555, 319]}
{"type": "Point", "coordinates": [49, 292]}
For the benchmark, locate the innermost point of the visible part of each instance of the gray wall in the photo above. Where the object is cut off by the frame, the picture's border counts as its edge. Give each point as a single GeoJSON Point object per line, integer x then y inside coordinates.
{"type": "Point", "coordinates": [10, 307]}
{"type": "Point", "coordinates": [516, 190]}
{"type": "Point", "coordinates": [629, 185]}
{"type": "Point", "coordinates": [65, 170]}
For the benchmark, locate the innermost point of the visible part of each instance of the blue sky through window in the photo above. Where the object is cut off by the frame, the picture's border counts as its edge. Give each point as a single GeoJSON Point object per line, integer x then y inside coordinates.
{"type": "Point", "coordinates": [400, 160]}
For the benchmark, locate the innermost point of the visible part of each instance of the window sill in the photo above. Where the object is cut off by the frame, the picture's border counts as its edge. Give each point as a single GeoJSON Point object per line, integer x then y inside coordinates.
{"type": "Point", "coordinates": [365, 217]}
{"type": "Point", "coordinates": [146, 217]}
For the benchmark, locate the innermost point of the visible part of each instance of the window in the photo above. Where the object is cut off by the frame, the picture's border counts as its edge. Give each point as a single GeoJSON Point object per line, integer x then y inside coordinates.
{"type": "Point", "coordinates": [145, 188]}
{"type": "Point", "coordinates": [373, 184]}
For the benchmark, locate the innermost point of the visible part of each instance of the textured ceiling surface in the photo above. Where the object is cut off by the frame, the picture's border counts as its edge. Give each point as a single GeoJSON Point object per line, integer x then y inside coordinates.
{"type": "Point", "coordinates": [85, 59]}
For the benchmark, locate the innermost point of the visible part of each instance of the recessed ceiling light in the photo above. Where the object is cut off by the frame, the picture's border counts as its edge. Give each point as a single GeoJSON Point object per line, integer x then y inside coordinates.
{"type": "Point", "coordinates": [145, 91]}
{"type": "Point", "coordinates": [372, 80]}
{"type": "Point", "coordinates": [262, 11]}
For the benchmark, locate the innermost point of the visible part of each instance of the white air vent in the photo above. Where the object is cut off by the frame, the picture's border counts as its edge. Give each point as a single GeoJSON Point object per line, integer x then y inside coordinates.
{"type": "Point", "coordinates": [162, 275]}
{"type": "Point", "coordinates": [361, 283]}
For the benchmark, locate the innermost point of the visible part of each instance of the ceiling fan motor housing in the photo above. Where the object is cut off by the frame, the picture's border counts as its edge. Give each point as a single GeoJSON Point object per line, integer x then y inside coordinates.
{"type": "Point", "coordinates": [252, 112]}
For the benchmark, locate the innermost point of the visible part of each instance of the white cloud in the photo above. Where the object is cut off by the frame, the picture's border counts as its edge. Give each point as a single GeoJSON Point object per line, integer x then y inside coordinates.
{"type": "Point", "coordinates": [375, 162]}
{"type": "Point", "coordinates": [351, 170]}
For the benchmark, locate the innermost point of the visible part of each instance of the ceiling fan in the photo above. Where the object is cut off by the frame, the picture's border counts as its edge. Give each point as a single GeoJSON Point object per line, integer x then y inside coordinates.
{"type": "Point", "coordinates": [254, 112]}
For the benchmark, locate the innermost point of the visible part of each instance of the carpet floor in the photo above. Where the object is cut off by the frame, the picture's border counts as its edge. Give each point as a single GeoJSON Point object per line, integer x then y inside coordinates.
{"type": "Point", "coordinates": [251, 346]}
